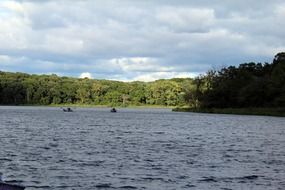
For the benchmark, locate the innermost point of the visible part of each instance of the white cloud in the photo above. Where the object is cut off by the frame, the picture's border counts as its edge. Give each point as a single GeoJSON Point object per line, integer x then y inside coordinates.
{"type": "Point", "coordinates": [4, 58]}
{"type": "Point", "coordinates": [187, 19]}
{"type": "Point", "coordinates": [280, 10]}
{"type": "Point", "coordinates": [163, 75]}
{"type": "Point", "coordinates": [131, 40]}
{"type": "Point", "coordinates": [61, 44]}
{"type": "Point", "coordinates": [139, 64]}
{"type": "Point", "coordinates": [264, 50]}
{"type": "Point", "coordinates": [86, 75]}
{"type": "Point", "coordinates": [12, 6]}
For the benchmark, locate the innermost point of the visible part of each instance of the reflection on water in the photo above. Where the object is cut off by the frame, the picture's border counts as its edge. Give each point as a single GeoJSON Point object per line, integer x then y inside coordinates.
{"type": "Point", "coordinates": [46, 148]}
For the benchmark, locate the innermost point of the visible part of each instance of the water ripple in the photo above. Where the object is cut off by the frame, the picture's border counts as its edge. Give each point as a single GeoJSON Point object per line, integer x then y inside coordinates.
{"type": "Point", "coordinates": [45, 148]}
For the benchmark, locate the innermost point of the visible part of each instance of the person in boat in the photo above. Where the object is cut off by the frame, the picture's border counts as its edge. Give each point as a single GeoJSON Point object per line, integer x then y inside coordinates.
{"type": "Point", "coordinates": [67, 110]}
{"type": "Point", "coordinates": [113, 110]}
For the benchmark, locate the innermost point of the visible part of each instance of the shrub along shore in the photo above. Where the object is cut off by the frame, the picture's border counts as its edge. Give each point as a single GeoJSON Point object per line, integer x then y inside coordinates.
{"type": "Point", "coordinates": [249, 89]}
{"type": "Point", "coordinates": [280, 112]}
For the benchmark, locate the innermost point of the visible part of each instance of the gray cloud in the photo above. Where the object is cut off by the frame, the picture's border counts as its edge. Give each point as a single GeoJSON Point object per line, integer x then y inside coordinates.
{"type": "Point", "coordinates": [130, 40]}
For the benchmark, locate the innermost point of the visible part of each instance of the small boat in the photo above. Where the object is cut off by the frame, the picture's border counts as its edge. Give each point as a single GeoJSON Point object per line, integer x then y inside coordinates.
{"type": "Point", "coordinates": [6, 186]}
{"type": "Point", "coordinates": [113, 110]}
{"type": "Point", "coordinates": [67, 110]}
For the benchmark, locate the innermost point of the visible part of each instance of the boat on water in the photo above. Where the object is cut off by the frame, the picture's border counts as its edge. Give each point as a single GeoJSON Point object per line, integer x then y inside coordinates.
{"type": "Point", "coordinates": [6, 186]}
{"type": "Point", "coordinates": [113, 110]}
{"type": "Point", "coordinates": [67, 110]}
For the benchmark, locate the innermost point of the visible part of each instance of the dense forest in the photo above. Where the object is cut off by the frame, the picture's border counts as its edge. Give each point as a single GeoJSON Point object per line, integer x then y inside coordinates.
{"type": "Point", "coordinates": [21, 88]}
{"type": "Point", "coordinates": [248, 85]}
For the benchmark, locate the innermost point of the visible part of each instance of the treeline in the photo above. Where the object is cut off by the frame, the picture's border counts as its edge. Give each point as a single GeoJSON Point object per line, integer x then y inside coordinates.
{"type": "Point", "coordinates": [21, 89]}
{"type": "Point", "coordinates": [259, 85]}
{"type": "Point", "coordinates": [248, 85]}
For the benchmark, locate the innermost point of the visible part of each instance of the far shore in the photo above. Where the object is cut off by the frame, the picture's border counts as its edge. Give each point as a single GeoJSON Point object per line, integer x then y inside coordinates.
{"type": "Point", "coordinates": [280, 112]}
{"type": "Point", "coordinates": [111, 106]}
{"type": "Point", "coordinates": [97, 106]}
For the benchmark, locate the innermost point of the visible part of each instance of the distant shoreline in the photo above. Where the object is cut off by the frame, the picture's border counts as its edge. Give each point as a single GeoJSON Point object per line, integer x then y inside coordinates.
{"type": "Point", "coordinates": [280, 112]}
{"type": "Point", "coordinates": [94, 106]}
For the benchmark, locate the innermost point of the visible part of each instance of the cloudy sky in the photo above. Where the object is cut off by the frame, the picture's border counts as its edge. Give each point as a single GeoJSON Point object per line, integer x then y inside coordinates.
{"type": "Point", "coordinates": [137, 39]}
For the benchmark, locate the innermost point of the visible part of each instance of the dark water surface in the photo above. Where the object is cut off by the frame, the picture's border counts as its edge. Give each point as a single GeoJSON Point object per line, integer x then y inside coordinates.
{"type": "Point", "coordinates": [46, 148]}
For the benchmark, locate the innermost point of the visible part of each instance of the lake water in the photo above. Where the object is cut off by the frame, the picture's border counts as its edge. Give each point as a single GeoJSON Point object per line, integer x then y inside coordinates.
{"type": "Point", "coordinates": [46, 148]}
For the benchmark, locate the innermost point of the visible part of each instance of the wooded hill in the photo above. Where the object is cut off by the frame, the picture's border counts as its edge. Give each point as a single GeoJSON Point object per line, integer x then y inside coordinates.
{"type": "Point", "coordinates": [21, 88]}
{"type": "Point", "coordinates": [248, 85]}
